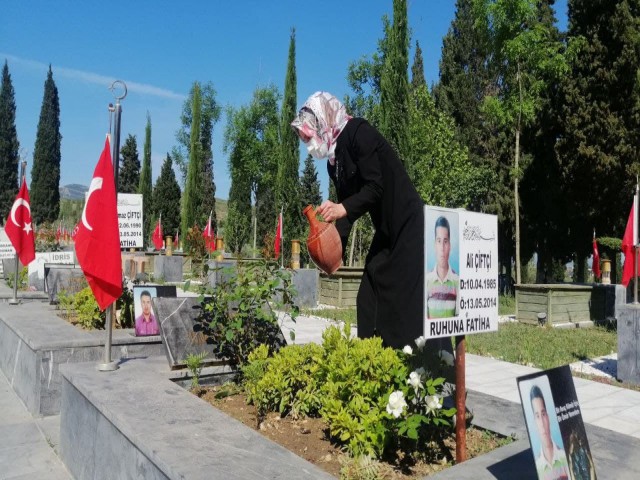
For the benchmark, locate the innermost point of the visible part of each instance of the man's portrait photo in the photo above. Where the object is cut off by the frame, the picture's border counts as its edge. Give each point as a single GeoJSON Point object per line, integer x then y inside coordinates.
{"type": "Point", "coordinates": [146, 323]}
{"type": "Point", "coordinates": [544, 431]}
{"type": "Point", "coordinates": [442, 264]}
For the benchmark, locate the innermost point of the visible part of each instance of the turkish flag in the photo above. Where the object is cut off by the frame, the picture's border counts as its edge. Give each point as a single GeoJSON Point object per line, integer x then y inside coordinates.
{"type": "Point", "coordinates": [18, 226]}
{"type": "Point", "coordinates": [98, 237]}
{"type": "Point", "coordinates": [628, 249]}
{"type": "Point", "coordinates": [278, 241]}
{"type": "Point", "coordinates": [595, 266]}
{"type": "Point", "coordinates": [209, 237]}
{"type": "Point", "coordinates": [157, 235]}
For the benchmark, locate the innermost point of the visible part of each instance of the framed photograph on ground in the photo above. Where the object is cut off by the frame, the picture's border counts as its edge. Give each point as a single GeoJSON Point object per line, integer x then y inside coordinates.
{"type": "Point", "coordinates": [146, 322]}
{"type": "Point", "coordinates": [554, 423]}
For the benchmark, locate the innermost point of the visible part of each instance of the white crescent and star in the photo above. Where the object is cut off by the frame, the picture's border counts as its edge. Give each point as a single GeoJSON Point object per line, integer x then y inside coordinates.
{"type": "Point", "coordinates": [96, 184]}
{"type": "Point", "coordinates": [14, 208]}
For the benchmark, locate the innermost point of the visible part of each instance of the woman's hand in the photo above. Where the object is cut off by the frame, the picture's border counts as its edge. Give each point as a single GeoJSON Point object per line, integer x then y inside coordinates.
{"type": "Point", "coordinates": [331, 211]}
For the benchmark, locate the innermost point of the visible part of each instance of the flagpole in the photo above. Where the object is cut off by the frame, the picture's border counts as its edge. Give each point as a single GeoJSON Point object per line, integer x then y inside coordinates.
{"type": "Point", "coordinates": [16, 278]}
{"type": "Point", "coordinates": [109, 365]}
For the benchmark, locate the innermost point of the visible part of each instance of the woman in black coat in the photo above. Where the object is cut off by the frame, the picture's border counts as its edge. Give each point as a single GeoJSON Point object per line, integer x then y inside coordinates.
{"type": "Point", "coordinates": [369, 178]}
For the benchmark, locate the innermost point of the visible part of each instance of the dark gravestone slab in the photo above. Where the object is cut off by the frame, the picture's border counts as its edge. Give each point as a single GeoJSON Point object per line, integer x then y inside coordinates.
{"type": "Point", "coordinates": [9, 267]}
{"type": "Point", "coordinates": [168, 269]}
{"type": "Point", "coordinates": [60, 278]}
{"type": "Point", "coordinates": [180, 330]}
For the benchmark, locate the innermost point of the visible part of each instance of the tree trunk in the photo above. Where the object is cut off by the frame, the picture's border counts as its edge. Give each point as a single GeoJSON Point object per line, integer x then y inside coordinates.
{"type": "Point", "coordinates": [517, 204]}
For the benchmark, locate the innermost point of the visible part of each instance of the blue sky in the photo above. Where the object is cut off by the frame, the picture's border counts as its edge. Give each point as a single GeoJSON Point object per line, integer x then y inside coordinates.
{"type": "Point", "coordinates": [159, 48]}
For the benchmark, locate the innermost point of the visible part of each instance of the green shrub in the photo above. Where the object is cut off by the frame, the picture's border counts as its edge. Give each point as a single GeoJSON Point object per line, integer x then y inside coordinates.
{"type": "Point", "coordinates": [81, 308]}
{"type": "Point", "coordinates": [194, 364]}
{"type": "Point", "coordinates": [23, 278]}
{"type": "Point", "coordinates": [290, 381]}
{"type": "Point", "coordinates": [364, 391]}
{"type": "Point", "coordinates": [87, 311]}
{"type": "Point", "coordinates": [237, 313]}
{"type": "Point", "coordinates": [360, 374]}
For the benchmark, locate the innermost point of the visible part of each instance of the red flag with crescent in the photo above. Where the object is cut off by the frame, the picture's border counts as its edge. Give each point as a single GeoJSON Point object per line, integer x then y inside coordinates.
{"type": "Point", "coordinates": [19, 228]}
{"type": "Point", "coordinates": [98, 237]}
{"type": "Point", "coordinates": [157, 234]}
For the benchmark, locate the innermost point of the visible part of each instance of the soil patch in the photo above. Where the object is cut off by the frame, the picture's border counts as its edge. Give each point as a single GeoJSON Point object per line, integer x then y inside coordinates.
{"type": "Point", "coordinates": [308, 438]}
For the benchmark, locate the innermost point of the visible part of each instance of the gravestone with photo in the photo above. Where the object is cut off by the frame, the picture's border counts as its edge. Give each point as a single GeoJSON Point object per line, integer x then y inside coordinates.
{"type": "Point", "coordinates": [182, 334]}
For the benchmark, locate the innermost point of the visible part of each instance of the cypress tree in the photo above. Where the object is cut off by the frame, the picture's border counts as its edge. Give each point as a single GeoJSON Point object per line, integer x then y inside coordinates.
{"type": "Point", "coordinates": [166, 198]}
{"type": "Point", "coordinates": [289, 165]}
{"type": "Point", "coordinates": [145, 187]}
{"type": "Point", "coordinates": [129, 173]}
{"type": "Point", "coordinates": [463, 83]}
{"type": "Point", "coordinates": [309, 185]}
{"type": "Point", "coordinates": [193, 188]}
{"type": "Point", "coordinates": [417, 70]}
{"type": "Point", "coordinates": [394, 85]}
{"type": "Point", "coordinates": [9, 145]}
{"type": "Point", "coordinates": [45, 173]}
{"type": "Point", "coordinates": [208, 205]}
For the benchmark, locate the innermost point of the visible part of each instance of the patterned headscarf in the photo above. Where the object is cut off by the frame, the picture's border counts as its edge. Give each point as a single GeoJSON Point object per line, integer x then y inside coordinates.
{"type": "Point", "coordinates": [319, 123]}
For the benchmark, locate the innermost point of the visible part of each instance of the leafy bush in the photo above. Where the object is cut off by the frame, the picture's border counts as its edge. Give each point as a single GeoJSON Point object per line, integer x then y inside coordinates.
{"type": "Point", "coordinates": [372, 400]}
{"type": "Point", "coordinates": [81, 308]}
{"type": "Point", "coordinates": [360, 376]}
{"type": "Point", "coordinates": [194, 364]}
{"type": "Point", "coordinates": [23, 278]}
{"type": "Point", "coordinates": [237, 314]}
{"type": "Point", "coordinates": [88, 312]}
{"type": "Point", "coordinates": [289, 384]}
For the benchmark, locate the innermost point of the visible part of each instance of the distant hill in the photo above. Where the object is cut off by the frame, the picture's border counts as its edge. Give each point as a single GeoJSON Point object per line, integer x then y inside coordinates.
{"type": "Point", "coordinates": [73, 192]}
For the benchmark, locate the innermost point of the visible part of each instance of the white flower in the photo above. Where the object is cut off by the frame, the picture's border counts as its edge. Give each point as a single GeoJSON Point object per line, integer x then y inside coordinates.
{"type": "Point", "coordinates": [396, 404]}
{"type": "Point", "coordinates": [420, 341]}
{"type": "Point", "coordinates": [446, 357]}
{"type": "Point", "coordinates": [414, 380]}
{"type": "Point", "coordinates": [407, 349]}
{"type": "Point", "coordinates": [433, 402]}
{"type": "Point", "coordinates": [421, 371]}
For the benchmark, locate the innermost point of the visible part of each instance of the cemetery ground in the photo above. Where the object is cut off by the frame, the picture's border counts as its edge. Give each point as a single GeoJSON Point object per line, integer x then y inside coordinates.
{"type": "Point", "coordinates": [308, 438]}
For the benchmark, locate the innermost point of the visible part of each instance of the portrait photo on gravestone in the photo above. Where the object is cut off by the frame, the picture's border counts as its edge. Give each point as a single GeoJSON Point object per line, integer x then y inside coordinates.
{"type": "Point", "coordinates": [146, 319]}
{"type": "Point", "coordinates": [461, 272]}
{"type": "Point", "coordinates": [554, 422]}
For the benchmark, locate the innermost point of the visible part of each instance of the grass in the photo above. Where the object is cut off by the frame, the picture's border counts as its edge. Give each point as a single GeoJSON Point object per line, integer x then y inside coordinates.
{"type": "Point", "coordinates": [506, 305]}
{"type": "Point", "coordinates": [336, 314]}
{"type": "Point", "coordinates": [543, 347]}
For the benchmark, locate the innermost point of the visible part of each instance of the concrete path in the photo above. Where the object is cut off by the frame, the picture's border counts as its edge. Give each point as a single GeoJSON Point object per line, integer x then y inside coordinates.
{"type": "Point", "coordinates": [25, 450]}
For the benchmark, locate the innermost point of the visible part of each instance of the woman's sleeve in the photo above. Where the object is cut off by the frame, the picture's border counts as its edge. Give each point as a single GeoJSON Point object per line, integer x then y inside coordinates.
{"type": "Point", "coordinates": [370, 171]}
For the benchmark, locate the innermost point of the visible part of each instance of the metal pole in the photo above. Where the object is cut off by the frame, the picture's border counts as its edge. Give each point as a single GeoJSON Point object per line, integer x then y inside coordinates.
{"type": "Point", "coordinates": [16, 279]}
{"type": "Point", "coordinates": [461, 421]}
{"type": "Point", "coordinates": [108, 365]}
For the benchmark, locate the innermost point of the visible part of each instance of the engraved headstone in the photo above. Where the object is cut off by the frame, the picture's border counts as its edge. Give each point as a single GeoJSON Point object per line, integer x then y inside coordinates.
{"type": "Point", "coordinates": [180, 329]}
{"type": "Point", "coordinates": [61, 278]}
{"type": "Point", "coordinates": [36, 268]}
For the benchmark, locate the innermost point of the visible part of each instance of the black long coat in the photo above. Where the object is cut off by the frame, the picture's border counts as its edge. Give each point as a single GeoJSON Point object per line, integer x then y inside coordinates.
{"type": "Point", "coordinates": [369, 177]}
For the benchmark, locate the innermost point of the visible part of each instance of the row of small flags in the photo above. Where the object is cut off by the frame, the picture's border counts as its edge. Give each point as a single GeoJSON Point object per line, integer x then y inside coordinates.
{"type": "Point", "coordinates": [97, 236]}
{"type": "Point", "coordinates": [209, 235]}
